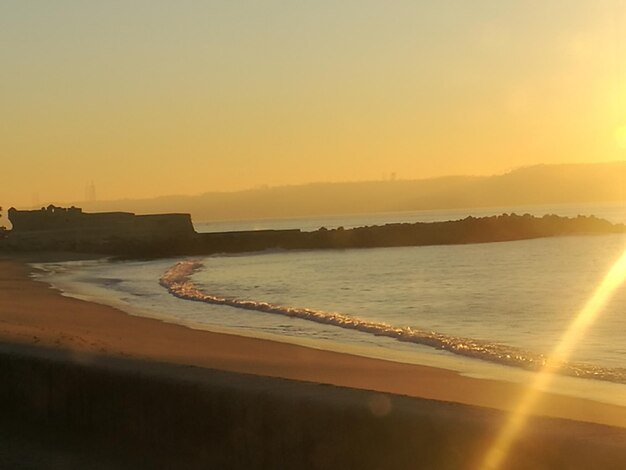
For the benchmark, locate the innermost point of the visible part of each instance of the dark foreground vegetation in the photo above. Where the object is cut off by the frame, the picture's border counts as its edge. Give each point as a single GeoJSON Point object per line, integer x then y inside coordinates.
{"type": "Point", "coordinates": [505, 227]}
{"type": "Point", "coordinates": [74, 409]}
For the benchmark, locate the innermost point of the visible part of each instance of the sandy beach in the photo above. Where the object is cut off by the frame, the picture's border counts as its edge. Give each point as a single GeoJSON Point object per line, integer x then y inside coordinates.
{"type": "Point", "coordinates": [35, 315]}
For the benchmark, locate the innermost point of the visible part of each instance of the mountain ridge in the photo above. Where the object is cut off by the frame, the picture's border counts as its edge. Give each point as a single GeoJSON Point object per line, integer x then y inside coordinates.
{"type": "Point", "coordinates": [531, 185]}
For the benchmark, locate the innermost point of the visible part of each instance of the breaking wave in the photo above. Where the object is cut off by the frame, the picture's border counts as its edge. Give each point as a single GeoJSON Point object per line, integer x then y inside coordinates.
{"type": "Point", "coordinates": [177, 280]}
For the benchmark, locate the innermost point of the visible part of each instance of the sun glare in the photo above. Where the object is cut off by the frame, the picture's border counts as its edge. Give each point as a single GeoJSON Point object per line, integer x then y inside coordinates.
{"type": "Point", "coordinates": [499, 450]}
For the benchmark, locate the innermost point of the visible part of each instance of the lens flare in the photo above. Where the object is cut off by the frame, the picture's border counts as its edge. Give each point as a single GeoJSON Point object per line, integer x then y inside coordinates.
{"type": "Point", "coordinates": [499, 450]}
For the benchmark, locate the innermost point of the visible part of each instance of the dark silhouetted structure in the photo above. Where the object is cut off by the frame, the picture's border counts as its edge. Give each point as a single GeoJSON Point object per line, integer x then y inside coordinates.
{"type": "Point", "coordinates": [127, 234]}
{"type": "Point", "coordinates": [59, 228]}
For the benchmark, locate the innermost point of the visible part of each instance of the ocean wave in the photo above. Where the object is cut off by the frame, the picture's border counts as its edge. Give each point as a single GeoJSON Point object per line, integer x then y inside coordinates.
{"type": "Point", "coordinates": [177, 280]}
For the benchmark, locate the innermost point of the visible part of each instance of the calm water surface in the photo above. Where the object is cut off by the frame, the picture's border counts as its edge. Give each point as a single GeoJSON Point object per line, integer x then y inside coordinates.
{"type": "Point", "coordinates": [521, 294]}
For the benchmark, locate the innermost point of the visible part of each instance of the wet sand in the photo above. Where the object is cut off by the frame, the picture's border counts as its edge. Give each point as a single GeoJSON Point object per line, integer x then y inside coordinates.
{"type": "Point", "coordinates": [33, 313]}
{"type": "Point", "coordinates": [36, 316]}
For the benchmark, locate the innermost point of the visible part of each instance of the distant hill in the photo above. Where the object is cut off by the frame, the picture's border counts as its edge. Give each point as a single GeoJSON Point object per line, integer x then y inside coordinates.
{"type": "Point", "coordinates": [540, 184]}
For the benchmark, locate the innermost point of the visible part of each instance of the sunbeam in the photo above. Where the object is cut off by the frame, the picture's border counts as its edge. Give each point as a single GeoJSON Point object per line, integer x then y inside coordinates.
{"type": "Point", "coordinates": [499, 450]}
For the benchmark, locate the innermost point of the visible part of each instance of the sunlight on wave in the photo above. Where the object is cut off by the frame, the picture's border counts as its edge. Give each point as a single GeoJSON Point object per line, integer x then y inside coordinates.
{"type": "Point", "coordinates": [177, 280]}
{"type": "Point", "coordinates": [499, 450]}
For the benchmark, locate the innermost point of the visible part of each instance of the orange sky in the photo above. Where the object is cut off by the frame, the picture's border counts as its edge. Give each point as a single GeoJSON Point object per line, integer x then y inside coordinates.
{"type": "Point", "coordinates": [148, 98]}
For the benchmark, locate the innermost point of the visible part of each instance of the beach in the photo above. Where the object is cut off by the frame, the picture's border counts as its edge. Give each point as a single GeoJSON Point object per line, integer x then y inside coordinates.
{"type": "Point", "coordinates": [37, 321]}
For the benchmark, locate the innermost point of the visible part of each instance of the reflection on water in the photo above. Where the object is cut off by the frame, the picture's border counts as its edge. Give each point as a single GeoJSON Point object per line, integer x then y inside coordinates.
{"type": "Point", "coordinates": [571, 337]}
{"type": "Point", "coordinates": [177, 280]}
{"type": "Point", "coordinates": [512, 298]}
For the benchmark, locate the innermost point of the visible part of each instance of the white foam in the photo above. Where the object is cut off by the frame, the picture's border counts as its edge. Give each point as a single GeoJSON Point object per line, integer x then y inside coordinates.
{"type": "Point", "coordinates": [177, 280]}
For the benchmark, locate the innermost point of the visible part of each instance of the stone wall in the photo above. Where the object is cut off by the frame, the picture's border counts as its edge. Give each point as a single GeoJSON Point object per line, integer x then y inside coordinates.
{"type": "Point", "coordinates": [71, 228]}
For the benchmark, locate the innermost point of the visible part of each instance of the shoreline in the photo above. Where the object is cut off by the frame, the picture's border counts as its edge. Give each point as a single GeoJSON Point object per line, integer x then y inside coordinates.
{"type": "Point", "coordinates": [562, 384]}
{"type": "Point", "coordinates": [33, 313]}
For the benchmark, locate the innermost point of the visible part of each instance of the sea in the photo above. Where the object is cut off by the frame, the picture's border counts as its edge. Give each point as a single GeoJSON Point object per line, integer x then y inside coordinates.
{"type": "Point", "coordinates": [489, 310]}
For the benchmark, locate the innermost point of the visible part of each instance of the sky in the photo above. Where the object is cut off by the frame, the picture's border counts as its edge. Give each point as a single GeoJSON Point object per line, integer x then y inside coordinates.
{"type": "Point", "coordinates": [149, 98]}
